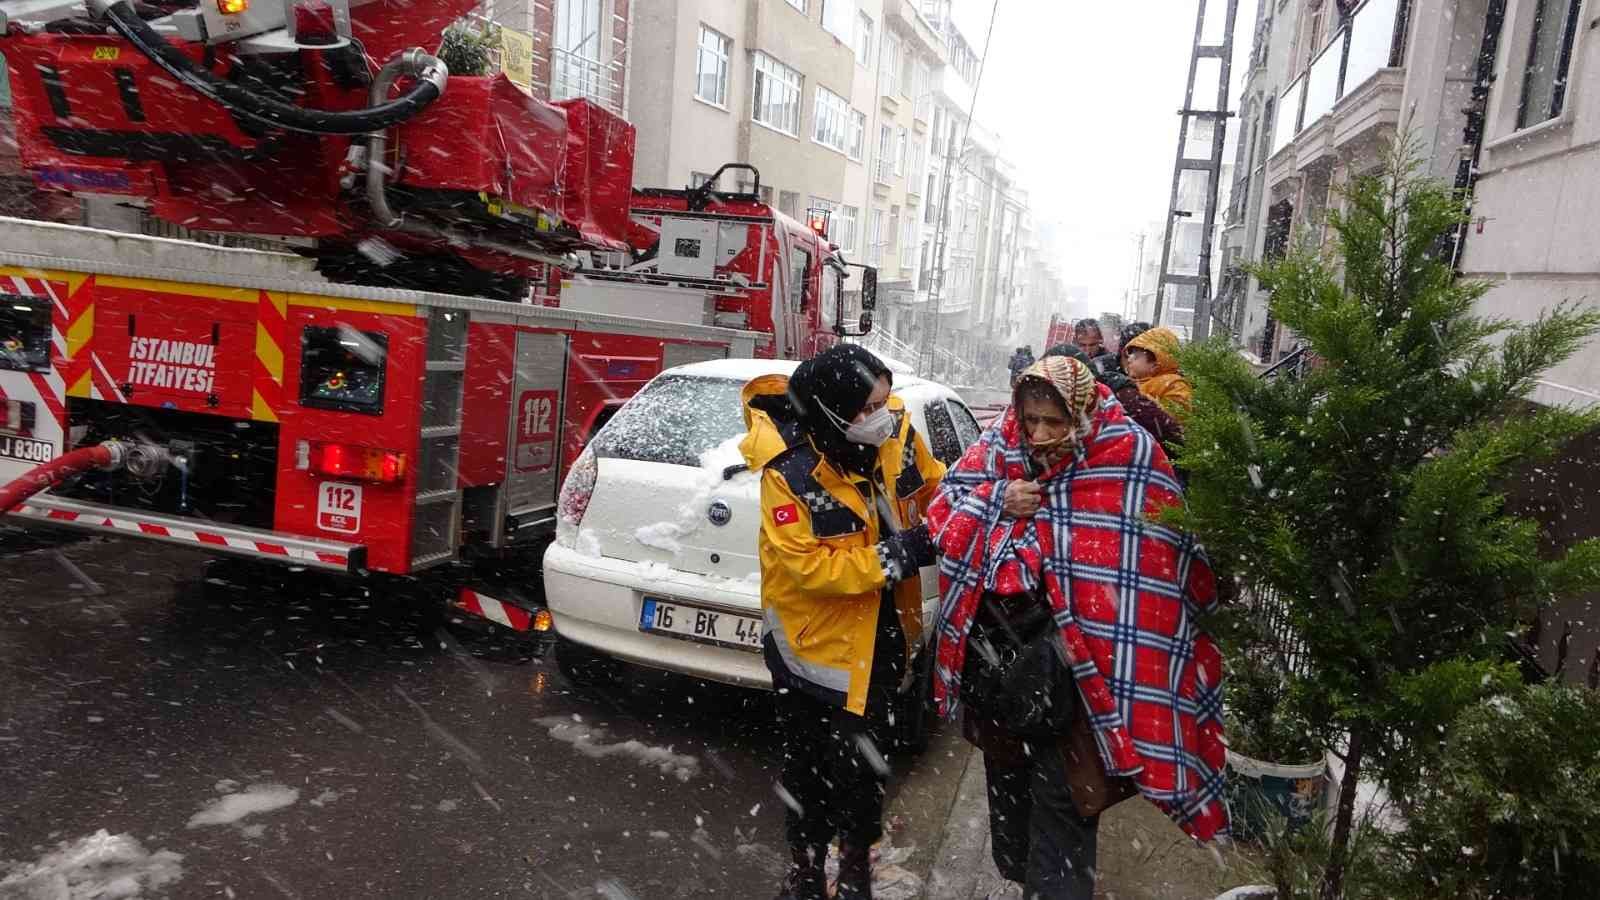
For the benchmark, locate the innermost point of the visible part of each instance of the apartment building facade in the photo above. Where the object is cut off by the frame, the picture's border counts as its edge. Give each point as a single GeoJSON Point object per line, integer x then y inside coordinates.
{"type": "Point", "coordinates": [763, 83]}
{"type": "Point", "coordinates": [1502, 99]}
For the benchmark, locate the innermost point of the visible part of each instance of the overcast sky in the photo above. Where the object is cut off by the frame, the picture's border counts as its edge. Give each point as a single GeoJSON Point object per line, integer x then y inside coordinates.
{"type": "Point", "coordinates": [1084, 96]}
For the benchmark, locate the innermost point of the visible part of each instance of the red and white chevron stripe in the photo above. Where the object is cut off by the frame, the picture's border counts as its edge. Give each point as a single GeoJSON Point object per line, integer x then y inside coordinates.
{"type": "Point", "coordinates": [198, 537]}
{"type": "Point", "coordinates": [483, 606]}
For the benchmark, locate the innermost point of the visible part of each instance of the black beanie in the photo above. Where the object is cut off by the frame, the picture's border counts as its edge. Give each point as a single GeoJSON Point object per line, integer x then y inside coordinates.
{"type": "Point", "coordinates": [840, 378]}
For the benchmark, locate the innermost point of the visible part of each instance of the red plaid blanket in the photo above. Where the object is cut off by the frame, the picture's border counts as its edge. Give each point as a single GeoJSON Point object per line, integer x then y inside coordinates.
{"type": "Point", "coordinates": [1126, 591]}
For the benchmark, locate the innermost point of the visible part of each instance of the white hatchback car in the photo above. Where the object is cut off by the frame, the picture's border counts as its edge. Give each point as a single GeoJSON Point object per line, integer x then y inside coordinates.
{"type": "Point", "coordinates": [655, 555]}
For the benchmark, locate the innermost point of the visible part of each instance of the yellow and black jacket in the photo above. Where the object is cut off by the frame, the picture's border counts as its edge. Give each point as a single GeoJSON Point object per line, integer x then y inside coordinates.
{"type": "Point", "coordinates": [821, 573]}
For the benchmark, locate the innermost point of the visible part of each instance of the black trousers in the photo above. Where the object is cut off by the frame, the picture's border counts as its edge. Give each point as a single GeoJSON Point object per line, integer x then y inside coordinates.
{"type": "Point", "coordinates": [834, 764]}
{"type": "Point", "coordinates": [1038, 838]}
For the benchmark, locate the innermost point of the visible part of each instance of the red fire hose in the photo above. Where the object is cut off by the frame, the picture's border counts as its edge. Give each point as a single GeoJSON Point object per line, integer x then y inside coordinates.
{"type": "Point", "coordinates": [108, 455]}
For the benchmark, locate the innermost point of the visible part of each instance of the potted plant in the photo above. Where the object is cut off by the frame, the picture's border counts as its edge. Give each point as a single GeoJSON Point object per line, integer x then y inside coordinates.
{"type": "Point", "coordinates": [1277, 766]}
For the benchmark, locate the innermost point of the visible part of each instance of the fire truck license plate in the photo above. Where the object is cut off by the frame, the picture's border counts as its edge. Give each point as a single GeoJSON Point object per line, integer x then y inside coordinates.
{"type": "Point", "coordinates": [26, 450]}
{"type": "Point", "coordinates": [697, 624]}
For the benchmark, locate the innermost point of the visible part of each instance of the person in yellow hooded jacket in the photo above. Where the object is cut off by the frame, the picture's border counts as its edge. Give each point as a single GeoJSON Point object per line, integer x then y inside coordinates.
{"type": "Point", "coordinates": [1152, 362]}
{"type": "Point", "coordinates": [845, 480]}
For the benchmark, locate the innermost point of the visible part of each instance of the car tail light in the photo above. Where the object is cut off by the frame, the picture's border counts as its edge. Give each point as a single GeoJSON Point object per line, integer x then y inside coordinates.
{"type": "Point", "coordinates": [576, 492]}
{"type": "Point", "coordinates": [350, 461]}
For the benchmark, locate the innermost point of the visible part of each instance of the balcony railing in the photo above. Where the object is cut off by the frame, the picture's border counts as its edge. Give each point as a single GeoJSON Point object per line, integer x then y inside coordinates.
{"type": "Point", "coordinates": [883, 170]}
{"type": "Point", "coordinates": [1373, 39]}
{"type": "Point", "coordinates": [573, 76]}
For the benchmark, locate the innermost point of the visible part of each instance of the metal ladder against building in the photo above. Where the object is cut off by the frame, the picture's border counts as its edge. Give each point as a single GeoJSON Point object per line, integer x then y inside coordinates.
{"type": "Point", "coordinates": [436, 518]}
{"type": "Point", "coordinates": [1197, 285]}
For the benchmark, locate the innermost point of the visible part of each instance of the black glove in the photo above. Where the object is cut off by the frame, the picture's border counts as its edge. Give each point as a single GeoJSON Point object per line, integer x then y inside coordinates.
{"type": "Point", "coordinates": [903, 553]}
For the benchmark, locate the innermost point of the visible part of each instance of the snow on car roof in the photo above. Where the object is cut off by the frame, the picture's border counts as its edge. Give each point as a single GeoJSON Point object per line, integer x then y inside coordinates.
{"type": "Point", "coordinates": [746, 369]}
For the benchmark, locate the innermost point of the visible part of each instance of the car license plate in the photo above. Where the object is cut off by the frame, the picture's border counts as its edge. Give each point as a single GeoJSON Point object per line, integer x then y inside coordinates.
{"type": "Point", "coordinates": [699, 624]}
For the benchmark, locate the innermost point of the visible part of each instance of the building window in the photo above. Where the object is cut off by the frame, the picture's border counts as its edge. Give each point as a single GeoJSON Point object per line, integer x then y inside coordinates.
{"type": "Point", "coordinates": [890, 70]}
{"type": "Point", "coordinates": [894, 226]}
{"type": "Point", "coordinates": [842, 230]}
{"type": "Point", "coordinates": [930, 202]}
{"type": "Point", "coordinates": [901, 143]}
{"type": "Point", "coordinates": [922, 95]}
{"type": "Point", "coordinates": [831, 121]}
{"type": "Point", "coordinates": [908, 242]}
{"type": "Point", "coordinates": [875, 238]}
{"type": "Point", "coordinates": [789, 204]}
{"type": "Point", "coordinates": [700, 179]}
{"type": "Point", "coordinates": [858, 134]}
{"type": "Point", "coordinates": [577, 70]}
{"type": "Point", "coordinates": [837, 18]}
{"type": "Point", "coordinates": [711, 68]}
{"type": "Point", "coordinates": [863, 40]}
{"type": "Point", "coordinates": [885, 166]}
{"type": "Point", "coordinates": [777, 95]}
{"type": "Point", "coordinates": [798, 4]}
{"type": "Point", "coordinates": [1544, 81]}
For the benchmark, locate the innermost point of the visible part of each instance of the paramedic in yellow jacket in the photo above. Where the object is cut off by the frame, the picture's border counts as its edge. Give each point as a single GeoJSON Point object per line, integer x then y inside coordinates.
{"type": "Point", "coordinates": [845, 480]}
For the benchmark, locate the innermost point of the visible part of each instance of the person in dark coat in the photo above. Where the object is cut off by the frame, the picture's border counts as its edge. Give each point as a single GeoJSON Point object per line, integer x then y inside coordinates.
{"type": "Point", "coordinates": [1092, 341]}
{"type": "Point", "coordinates": [1147, 413]}
{"type": "Point", "coordinates": [1020, 360]}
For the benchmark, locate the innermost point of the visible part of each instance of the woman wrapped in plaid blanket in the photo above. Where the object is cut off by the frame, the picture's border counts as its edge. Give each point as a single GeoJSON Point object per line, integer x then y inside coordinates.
{"type": "Point", "coordinates": [1054, 512]}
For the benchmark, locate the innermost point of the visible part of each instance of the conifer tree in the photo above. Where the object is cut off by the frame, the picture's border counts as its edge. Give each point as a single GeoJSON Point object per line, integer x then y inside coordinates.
{"type": "Point", "coordinates": [1367, 493]}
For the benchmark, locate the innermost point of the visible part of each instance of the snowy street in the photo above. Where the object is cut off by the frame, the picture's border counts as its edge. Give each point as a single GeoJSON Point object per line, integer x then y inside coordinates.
{"type": "Point", "coordinates": [231, 737]}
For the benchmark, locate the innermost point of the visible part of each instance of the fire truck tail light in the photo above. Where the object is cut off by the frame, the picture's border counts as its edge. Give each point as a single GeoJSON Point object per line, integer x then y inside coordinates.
{"type": "Point", "coordinates": [232, 7]}
{"type": "Point", "coordinates": [350, 461]}
{"type": "Point", "coordinates": [576, 492]}
{"type": "Point", "coordinates": [17, 417]}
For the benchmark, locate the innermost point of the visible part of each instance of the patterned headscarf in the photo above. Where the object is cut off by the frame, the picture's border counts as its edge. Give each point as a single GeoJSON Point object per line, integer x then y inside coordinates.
{"type": "Point", "coordinates": [1071, 379]}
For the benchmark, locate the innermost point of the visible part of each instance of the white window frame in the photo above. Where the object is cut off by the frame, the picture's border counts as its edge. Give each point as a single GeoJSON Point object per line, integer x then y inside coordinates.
{"type": "Point", "coordinates": [858, 135]}
{"type": "Point", "coordinates": [902, 141]}
{"type": "Point", "coordinates": [844, 228]}
{"type": "Point", "coordinates": [885, 161]}
{"type": "Point", "coordinates": [889, 70]}
{"type": "Point", "coordinates": [863, 41]}
{"type": "Point", "coordinates": [768, 74]}
{"type": "Point", "coordinates": [722, 57]}
{"type": "Point", "coordinates": [875, 237]}
{"type": "Point", "coordinates": [798, 4]}
{"type": "Point", "coordinates": [578, 49]}
{"type": "Point", "coordinates": [831, 121]}
{"type": "Point", "coordinates": [909, 230]}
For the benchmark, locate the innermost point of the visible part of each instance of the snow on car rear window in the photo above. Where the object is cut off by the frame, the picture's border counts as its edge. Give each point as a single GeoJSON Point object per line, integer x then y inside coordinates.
{"type": "Point", "coordinates": [675, 419]}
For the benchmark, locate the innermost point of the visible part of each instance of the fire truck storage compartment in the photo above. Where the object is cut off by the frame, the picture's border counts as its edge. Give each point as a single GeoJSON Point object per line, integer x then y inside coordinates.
{"type": "Point", "coordinates": [229, 471]}
{"type": "Point", "coordinates": [485, 139]}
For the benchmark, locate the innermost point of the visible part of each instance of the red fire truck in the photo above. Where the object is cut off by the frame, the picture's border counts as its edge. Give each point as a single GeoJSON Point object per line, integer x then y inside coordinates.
{"type": "Point", "coordinates": [488, 288]}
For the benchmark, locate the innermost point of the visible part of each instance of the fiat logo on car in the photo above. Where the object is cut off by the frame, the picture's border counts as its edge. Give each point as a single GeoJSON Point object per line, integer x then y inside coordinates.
{"type": "Point", "coordinates": [720, 513]}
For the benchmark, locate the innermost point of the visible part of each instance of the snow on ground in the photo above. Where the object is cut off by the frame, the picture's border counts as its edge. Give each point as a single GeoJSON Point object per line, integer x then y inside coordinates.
{"type": "Point", "coordinates": [257, 798]}
{"type": "Point", "coordinates": [101, 866]}
{"type": "Point", "coordinates": [589, 741]}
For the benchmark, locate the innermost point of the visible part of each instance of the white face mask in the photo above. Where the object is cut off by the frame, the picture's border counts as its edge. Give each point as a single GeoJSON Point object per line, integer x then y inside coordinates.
{"type": "Point", "coordinates": [874, 430]}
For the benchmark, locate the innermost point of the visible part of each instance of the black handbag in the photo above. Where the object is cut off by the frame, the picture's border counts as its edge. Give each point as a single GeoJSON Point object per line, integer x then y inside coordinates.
{"type": "Point", "coordinates": [1017, 674]}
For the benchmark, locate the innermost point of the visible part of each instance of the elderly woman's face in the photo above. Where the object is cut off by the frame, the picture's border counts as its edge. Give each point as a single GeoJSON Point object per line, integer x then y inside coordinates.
{"type": "Point", "coordinates": [1045, 423]}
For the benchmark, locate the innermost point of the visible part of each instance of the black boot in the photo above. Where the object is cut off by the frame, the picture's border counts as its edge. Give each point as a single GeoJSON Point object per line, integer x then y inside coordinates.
{"type": "Point", "coordinates": [806, 880]}
{"type": "Point", "coordinates": [855, 872]}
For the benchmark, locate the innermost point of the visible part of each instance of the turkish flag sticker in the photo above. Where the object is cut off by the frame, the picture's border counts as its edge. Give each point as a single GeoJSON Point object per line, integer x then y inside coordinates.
{"type": "Point", "coordinates": [785, 515]}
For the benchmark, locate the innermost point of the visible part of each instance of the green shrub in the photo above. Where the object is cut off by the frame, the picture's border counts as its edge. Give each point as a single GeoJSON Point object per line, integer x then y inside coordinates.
{"type": "Point", "coordinates": [1514, 813]}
